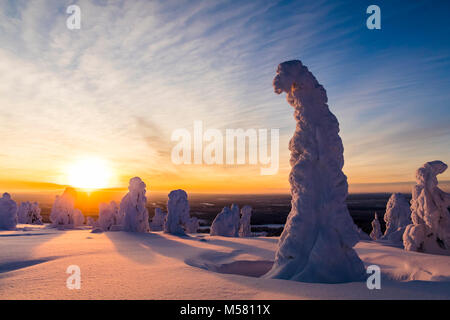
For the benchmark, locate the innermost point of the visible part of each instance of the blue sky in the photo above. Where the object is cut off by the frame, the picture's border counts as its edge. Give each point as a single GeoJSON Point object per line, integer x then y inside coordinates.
{"type": "Point", "coordinates": [137, 70]}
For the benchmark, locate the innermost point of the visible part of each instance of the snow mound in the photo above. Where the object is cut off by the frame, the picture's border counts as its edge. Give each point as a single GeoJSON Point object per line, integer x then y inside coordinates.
{"type": "Point", "coordinates": [317, 242]}
{"type": "Point", "coordinates": [133, 207]}
{"type": "Point", "coordinates": [8, 212]}
{"type": "Point", "coordinates": [397, 217]}
{"type": "Point", "coordinates": [63, 214]}
{"type": "Point", "coordinates": [226, 223]}
{"type": "Point", "coordinates": [430, 228]}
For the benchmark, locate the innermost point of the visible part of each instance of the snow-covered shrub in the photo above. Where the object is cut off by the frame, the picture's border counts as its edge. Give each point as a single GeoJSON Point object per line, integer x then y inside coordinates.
{"type": "Point", "coordinates": [63, 213]}
{"type": "Point", "coordinates": [108, 216]}
{"type": "Point", "coordinates": [177, 212]}
{"type": "Point", "coordinates": [376, 229]}
{"type": "Point", "coordinates": [397, 217]}
{"type": "Point", "coordinates": [8, 212]}
{"type": "Point", "coordinates": [226, 223]}
{"type": "Point", "coordinates": [245, 227]}
{"type": "Point", "coordinates": [133, 207]}
{"type": "Point", "coordinates": [430, 228]}
{"type": "Point", "coordinates": [29, 213]}
{"type": "Point", "coordinates": [157, 223]}
{"type": "Point", "coordinates": [317, 242]}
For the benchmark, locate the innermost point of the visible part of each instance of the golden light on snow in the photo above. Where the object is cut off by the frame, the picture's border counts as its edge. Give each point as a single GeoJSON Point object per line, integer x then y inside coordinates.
{"type": "Point", "coordinates": [89, 174]}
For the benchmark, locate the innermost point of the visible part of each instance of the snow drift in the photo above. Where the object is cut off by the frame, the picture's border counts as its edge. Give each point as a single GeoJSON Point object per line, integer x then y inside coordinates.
{"type": "Point", "coordinates": [430, 228]}
{"type": "Point", "coordinates": [397, 217]}
{"type": "Point", "coordinates": [226, 223]}
{"type": "Point", "coordinates": [29, 213]}
{"type": "Point", "coordinates": [245, 227]}
{"type": "Point", "coordinates": [63, 213]}
{"type": "Point", "coordinates": [376, 229]}
{"type": "Point", "coordinates": [317, 242]}
{"type": "Point", "coordinates": [133, 207]}
{"type": "Point", "coordinates": [8, 212]}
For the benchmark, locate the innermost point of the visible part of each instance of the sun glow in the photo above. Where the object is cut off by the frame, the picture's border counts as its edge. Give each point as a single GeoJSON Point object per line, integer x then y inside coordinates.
{"type": "Point", "coordinates": [89, 174]}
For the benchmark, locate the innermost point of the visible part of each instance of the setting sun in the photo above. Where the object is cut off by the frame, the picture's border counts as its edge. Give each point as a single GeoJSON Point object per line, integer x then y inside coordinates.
{"type": "Point", "coordinates": [89, 173]}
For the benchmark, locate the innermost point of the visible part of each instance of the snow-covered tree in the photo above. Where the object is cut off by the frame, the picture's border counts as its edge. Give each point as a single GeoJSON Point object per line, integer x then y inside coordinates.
{"type": "Point", "coordinates": [430, 228]}
{"type": "Point", "coordinates": [108, 216]}
{"type": "Point", "coordinates": [29, 213]}
{"type": "Point", "coordinates": [376, 229]}
{"type": "Point", "coordinates": [245, 229]}
{"type": "Point", "coordinates": [192, 225]}
{"type": "Point", "coordinates": [226, 223]}
{"type": "Point", "coordinates": [397, 217]}
{"type": "Point", "coordinates": [63, 213]}
{"type": "Point", "coordinates": [133, 207]}
{"type": "Point", "coordinates": [157, 223]}
{"type": "Point", "coordinates": [317, 242]}
{"type": "Point", "coordinates": [8, 212]}
{"type": "Point", "coordinates": [177, 212]}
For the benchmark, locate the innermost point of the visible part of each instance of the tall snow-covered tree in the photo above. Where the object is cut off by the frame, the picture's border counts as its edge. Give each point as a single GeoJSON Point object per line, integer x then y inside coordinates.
{"type": "Point", "coordinates": [133, 207]}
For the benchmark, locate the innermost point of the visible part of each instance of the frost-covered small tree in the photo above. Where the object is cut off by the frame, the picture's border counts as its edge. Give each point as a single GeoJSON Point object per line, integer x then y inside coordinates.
{"type": "Point", "coordinates": [108, 216]}
{"type": "Point", "coordinates": [29, 213]}
{"type": "Point", "coordinates": [133, 207]}
{"type": "Point", "coordinates": [157, 223]}
{"type": "Point", "coordinates": [430, 228]}
{"type": "Point", "coordinates": [397, 217]}
{"type": "Point", "coordinates": [177, 212]}
{"type": "Point", "coordinates": [192, 225]}
{"type": "Point", "coordinates": [317, 242]}
{"type": "Point", "coordinates": [376, 229]}
{"type": "Point", "coordinates": [245, 229]}
{"type": "Point", "coordinates": [8, 212]}
{"type": "Point", "coordinates": [226, 223]}
{"type": "Point", "coordinates": [63, 213]}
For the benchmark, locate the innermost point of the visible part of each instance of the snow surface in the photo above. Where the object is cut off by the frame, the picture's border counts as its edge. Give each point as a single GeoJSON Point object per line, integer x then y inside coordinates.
{"type": "Point", "coordinates": [317, 242]}
{"type": "Point", "coordinates": [430, 228]}
{"type": "Point", "coordinates": [124, 265]}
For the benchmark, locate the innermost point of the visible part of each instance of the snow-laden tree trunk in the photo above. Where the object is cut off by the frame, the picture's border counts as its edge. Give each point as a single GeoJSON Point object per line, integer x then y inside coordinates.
{"type": "Point", "coordinates": [245, 227]}
{"type": "Point", "coordinates": [8, 212]}
{"type": "Point", "coordinates": [376, 229]}
{"type": "Point", "coordinates": [430, 228]}
{"type": "Point", "coordinates": [397, 217]}
{"type": "Point", "coordinates": [133, 207]}
{"type": "Point", "coordinates": [317, 242]}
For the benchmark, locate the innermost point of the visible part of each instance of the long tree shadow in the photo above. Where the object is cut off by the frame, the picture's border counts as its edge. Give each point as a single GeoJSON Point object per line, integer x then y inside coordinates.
{"type": "Point", "coordinates": [17, 248]}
